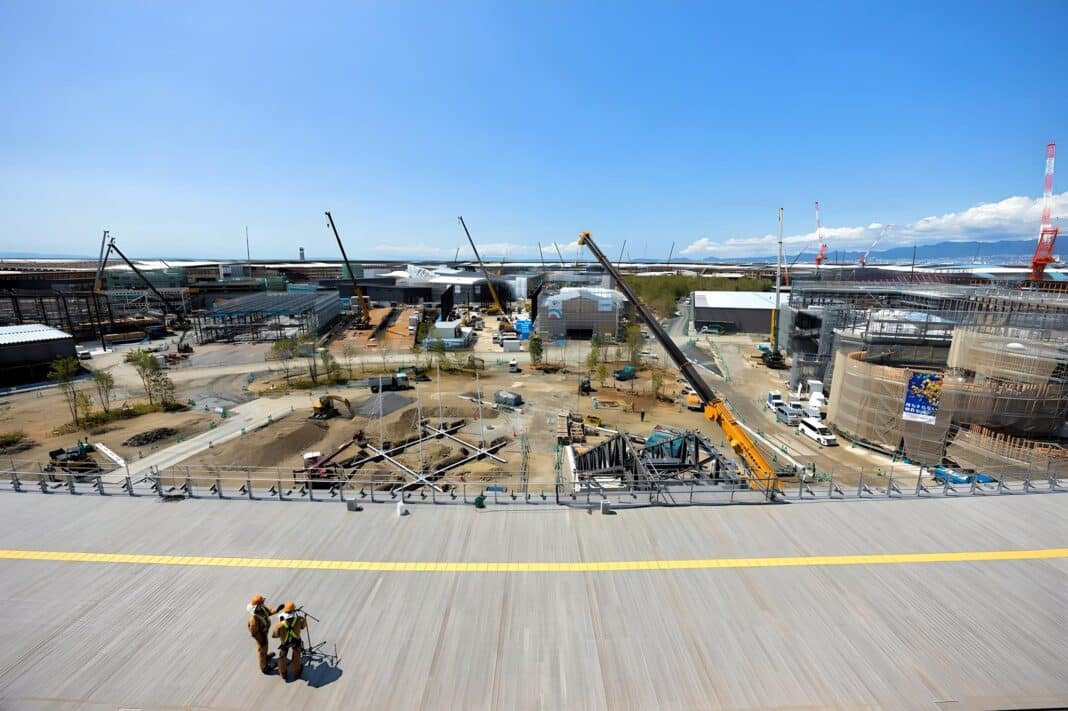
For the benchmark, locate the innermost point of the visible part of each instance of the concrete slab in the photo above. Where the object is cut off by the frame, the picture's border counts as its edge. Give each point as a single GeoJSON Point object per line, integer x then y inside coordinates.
{"type": "Point", "coordinates": [864, 634]}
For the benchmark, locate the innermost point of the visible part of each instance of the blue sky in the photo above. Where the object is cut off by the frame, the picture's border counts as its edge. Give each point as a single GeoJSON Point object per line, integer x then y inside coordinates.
{"type": "Point", "coordinates": [174, 125]}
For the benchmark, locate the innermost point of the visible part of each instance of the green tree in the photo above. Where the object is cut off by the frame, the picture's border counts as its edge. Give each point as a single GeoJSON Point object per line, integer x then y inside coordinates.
{"type": "Point", "coordinates": [657, 380]}
{"type": "Point", "coordinates": [437, 347]}
{"type": "Point", "coordinates": [635, 344]}
{"type": "Point", "coordinates": [63, 371]}
{"type": "Point", "coordinates": [593, 357]}
{"type": "Point", "coordinates": [104, 383]}
{"type": "Point", "coordinates": [348, 352]}
{"type": "Point", "coordinates": [602, 373]}
{"type": "Point", "coordinates": [145, 364]}
{"type": "Point", "coordinates": [161, 386]}
{"type": "Point", "coordinates": [83, 403]}
{"type": "Point", "coordinates": [537, 350]}
{"type": "Point", "coordinates": [284, 350]}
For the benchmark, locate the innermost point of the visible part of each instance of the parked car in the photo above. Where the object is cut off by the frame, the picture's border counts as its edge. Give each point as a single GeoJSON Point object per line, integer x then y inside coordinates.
{"type": "Point", "coordinates": [627, 372]}
{"type": "Point", "coordinates": [787, 413]}
{"type": "Point", "coordinates": [815, 430]}
{"type": "Point", "coordinates": [940, 474]}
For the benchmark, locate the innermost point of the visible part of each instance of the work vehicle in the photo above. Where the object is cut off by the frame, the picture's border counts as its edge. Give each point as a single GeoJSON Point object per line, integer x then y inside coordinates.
{"type": "Point", "coordinates": [815, 430]}
{"type": "Point", "coordinates": [398, 381]}
{"type": "Point", "coordinates": [940, 474]}
{"type": "Point", "coordinates": [82, 353]}
{"type": "Point", "coordinates": [74, 460]}
{"type": "Point", "coordinates": [513, 366]}
{"type": "Point", "coordinates": [584, 385]}
{"type": "Point", "coordinates": [812, 411]}
{"type": "Point", "coordinates": [627, 372]}
{"type": "Point", "coordinates": [774, 398]}
{"type": "Point", "coordinates": [761, 474]}
{"type": "Point", "coordinates": [787, 413]}
{"type": "Point", "coordinates": [326, 407]}
{"type": "Point", "coordinates": [508, 398]}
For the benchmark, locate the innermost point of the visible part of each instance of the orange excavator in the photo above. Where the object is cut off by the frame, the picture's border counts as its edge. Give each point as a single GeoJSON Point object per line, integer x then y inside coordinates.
{"type": "Point", "coordinates": [761, 474]}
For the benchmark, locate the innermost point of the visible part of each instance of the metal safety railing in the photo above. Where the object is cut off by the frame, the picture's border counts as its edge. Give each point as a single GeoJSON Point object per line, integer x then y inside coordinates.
{"type": "Point", "coordinates": [385, 487]}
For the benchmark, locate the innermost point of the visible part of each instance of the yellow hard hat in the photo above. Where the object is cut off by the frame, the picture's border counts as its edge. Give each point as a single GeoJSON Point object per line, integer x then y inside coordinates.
{"type": "Point", "coordinates": [290, 606]}
{"type": "Point", "coordinates": [257, 599]}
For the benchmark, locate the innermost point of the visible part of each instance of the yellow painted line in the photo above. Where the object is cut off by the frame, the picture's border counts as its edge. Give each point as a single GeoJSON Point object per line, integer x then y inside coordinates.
{"type": "Point", "coordinates": [536, 567]}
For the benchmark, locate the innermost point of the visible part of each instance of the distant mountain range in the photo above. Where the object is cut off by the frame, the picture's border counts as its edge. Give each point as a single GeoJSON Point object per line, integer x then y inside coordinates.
{"type": "Point", "coordinates": [1000, 251]}
{"type": "Point", "coordinates": [981, 252]}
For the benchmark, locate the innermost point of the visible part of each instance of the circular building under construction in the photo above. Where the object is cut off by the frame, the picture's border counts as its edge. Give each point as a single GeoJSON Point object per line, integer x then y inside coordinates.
{"type": "Point", "coordinates": [985, 391]}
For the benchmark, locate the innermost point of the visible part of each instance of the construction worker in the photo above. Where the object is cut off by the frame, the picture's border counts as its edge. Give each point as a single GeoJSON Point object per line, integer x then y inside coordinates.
{"type": "Point", "coordinates": [259, 623]}
{"type": "Point", "coordinates": [287, 632]}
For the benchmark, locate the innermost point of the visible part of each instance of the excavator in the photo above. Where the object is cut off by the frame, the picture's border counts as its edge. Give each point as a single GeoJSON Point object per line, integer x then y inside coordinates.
{"type": "Point", "coordinates": [327, 406]}
{"type": "Point", "coordinates": [363, 318]}
{"type": "Point", "coordinates": [761, 474]}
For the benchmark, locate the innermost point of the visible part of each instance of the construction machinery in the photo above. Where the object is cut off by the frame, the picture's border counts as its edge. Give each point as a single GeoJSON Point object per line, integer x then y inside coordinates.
{"type": "Point", "coordinates": [180, 322]}
{"type": "Point", "coordinates": [73, 460]}
{"type": "Point", "coordinates": [1047, 233]}
{"type": "Point", "coordinates": [497, 309]}
{"type": "Point", "coordinates": [761, 474]}
{"type": "Point", "coordinates": [327, 406]}
{"type": "Point", "coordinates": [363, 304]}
{"type": "Point", "coordinates": [863, 261]}
{"type": "Point", "coordinates": [773, 357]}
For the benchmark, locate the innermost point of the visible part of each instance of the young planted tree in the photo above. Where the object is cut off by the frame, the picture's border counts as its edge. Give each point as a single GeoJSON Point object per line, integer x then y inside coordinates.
{"type": "Point", "coordinates": [657, 379]}
{"type": "Point", "coordinates": [348, 352]}
{"type": "Point", "coordinates": [63, 371]}
{"type": "Point", "coordinates": [437, 347]}
{"type": "Point", "coordinates": [602, 373]}
{"type": "Point", "coordinates": [145, 364]}
{"type": "Point", "coordinates": [284, 350]}
{"type": "Point", "coordinates": [83, 403]}
{"type": "Point", "coordinates": [536, 348]}
{"type": "Point", "coordinates": [635, 344]}
{"type": "Point", "coordinates": [593, 357]}
{"type": "Point", "coordinates": [105, 385]}
{"type": "Point", "coordinates": [161, 386]}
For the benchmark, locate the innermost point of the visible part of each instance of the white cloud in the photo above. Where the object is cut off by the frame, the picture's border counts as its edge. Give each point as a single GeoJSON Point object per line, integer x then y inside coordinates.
{"type": "Point", "coordinates": [1012, 218]}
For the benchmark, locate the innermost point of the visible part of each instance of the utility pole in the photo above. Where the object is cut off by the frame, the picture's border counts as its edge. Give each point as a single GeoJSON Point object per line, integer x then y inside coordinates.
{"type": "Point", "coordinates": [248, 252]}
{"type": "Point", "coordinates": [778, 291]}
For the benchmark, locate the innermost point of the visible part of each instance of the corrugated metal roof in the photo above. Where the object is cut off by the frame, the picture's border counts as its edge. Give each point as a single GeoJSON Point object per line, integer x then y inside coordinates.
{"type": "Point", "coordinates": [760, 300]}
{"type": "Point", "coordinates": [29, 333]}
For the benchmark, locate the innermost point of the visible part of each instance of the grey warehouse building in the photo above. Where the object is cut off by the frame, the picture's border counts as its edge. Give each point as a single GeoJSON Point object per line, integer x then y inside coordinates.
{"type": "Point", "coordinates": [743, 311]}
{"type": "Point", "coordinates": [27, 352]}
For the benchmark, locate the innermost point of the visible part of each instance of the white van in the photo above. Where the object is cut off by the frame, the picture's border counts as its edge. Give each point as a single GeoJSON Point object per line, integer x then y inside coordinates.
{"type": "Point", "coordinates": [816, 430]}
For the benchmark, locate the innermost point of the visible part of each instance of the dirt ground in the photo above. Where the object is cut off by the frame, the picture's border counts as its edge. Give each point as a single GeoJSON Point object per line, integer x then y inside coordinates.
{"type": "Point", "coordinates": [546, 395]}
{"type": "Point", "coordinates": [39, 413]}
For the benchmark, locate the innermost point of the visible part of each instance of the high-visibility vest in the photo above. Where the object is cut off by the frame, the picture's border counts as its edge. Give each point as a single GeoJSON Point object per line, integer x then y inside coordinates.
{"type": "Point", "coordinates": [290, 630]}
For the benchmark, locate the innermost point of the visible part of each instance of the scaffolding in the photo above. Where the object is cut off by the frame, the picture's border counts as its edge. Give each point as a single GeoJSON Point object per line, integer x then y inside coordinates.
{"type": "Point", "coordinates": [1003, 359]}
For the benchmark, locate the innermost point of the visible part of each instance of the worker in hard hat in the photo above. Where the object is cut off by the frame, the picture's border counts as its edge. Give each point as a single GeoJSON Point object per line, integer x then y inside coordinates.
{"type": "Point", "coordinates": [259, 623]}
{"type": "Point", "coordinates": [287, 630]}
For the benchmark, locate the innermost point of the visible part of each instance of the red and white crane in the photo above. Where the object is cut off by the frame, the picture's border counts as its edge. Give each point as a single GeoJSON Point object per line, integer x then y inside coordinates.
{"type": "Point", "coordinates": [1047, 233]}
{"type": "Point", "coordinates": [821, 255]}
{"type": "Point", "coordinates": [883, 233]}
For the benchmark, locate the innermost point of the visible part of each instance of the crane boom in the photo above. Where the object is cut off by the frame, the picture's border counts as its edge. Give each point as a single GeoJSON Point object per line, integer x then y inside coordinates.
{"type": "Point", "coordinates": [863, 261]}
{"type": "Point", "coordinates": [363, 320]}
{"type": "Point", "coordinates": [493, 292]}
{"type": "Point", "coordinates": [715, 408]}
{"type": "Point", "coordinates": [1047, 233]}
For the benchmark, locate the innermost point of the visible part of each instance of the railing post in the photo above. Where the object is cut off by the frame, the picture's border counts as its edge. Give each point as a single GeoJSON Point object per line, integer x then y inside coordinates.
{"type": "Point", "coordinates": [188, 484]}
{"type": "Point", "coordinates": [15, 483]}
{"type": "Point", "coordinates": [860, 484]}
{"type": "Point", "coordinates": [128, 485]}
{"type": "Point", "coordinates": [70, 483]}
{"type": "Point", "coordinates": [248, 486]}
{"type": "Point", "coordinates": [218, 487]}
{"type": "Point", "coordinates": [311, 490]}
{"type": "Point", "coordinates": [100, 484]}
{"type": "Point", "coordinates": [278, 483]}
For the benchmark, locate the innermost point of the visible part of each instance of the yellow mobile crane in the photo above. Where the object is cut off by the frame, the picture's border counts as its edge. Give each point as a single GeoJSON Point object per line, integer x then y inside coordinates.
{"type": "Point", "coordinates": [497, 308]}
{"type": "Point", "coordinates": [715, 409]}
